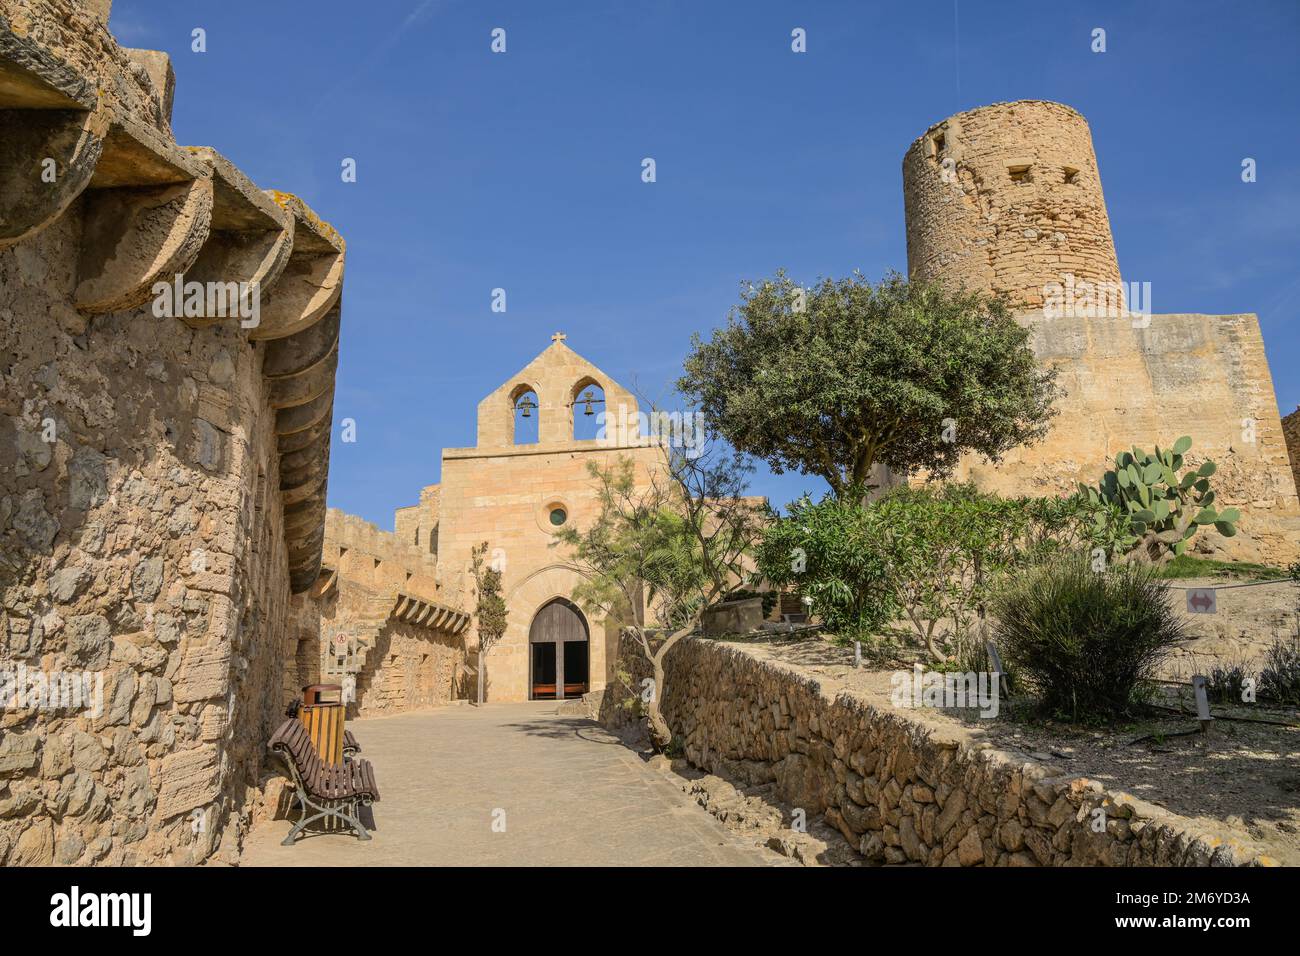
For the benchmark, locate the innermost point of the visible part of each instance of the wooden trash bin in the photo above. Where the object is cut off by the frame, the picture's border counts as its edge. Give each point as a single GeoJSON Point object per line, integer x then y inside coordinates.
{"type": "Point", "coordinates": [322, 714]}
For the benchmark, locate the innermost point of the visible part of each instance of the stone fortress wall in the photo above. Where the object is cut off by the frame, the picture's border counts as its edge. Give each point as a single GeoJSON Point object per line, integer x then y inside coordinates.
{"type": "Point", "coordinates": [162, 480]}
{"type": "Point", "coordinates": [1291, 431]}
{"type": "Point", "coordinates": [1007, 199]}
{"type": "Point", "coordinates": [389, 628]}
{"type": "Point", "coordinates": [418, 523]}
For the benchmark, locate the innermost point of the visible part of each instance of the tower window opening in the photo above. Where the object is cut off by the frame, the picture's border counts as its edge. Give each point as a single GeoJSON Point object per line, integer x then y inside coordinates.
{"type": "Point", "coordinates": [1019, 173]}
{"type": "Point", "coordinates": [1071, 175]}
{"type": "Point", "coordinates": [940, 143]}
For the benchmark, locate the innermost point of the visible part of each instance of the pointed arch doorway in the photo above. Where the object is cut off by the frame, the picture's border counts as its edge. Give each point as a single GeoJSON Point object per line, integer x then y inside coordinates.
{"type": "Point", "coordinates": [558, 652]}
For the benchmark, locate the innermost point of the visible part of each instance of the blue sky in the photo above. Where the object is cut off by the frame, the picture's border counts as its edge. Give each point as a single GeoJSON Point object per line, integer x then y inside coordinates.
{"type": "Point", "coordinates": [522, 171]}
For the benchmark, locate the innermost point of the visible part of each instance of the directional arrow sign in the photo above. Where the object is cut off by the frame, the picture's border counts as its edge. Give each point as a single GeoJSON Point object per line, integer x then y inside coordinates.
{"type": "Point", "coordinates": [1202, 601]}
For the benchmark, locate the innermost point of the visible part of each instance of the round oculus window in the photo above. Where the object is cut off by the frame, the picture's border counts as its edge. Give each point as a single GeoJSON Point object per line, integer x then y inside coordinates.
{"type": "Point", "coordinates": [559, 516]}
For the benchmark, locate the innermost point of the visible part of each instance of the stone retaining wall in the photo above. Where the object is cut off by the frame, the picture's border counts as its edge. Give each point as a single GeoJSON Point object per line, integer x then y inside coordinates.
{"type": "Point", "coordinates": [411, 668]}
{"type": "Point", "coordinates": [900, 788]}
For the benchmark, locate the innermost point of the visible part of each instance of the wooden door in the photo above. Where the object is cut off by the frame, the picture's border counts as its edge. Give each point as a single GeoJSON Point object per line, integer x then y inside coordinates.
{"type": "Point", "coordinates": [557, 625]}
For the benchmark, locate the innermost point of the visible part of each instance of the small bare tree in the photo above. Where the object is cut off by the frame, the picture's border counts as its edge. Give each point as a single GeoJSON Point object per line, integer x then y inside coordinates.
{"type": "Point", "coordinates": [490, 611]}
{"type": "Point", "coordinates": [678, 539]}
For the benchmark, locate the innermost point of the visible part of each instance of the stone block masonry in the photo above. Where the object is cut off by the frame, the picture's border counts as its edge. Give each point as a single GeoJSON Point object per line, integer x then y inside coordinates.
{"type": "Point", "coordinates": [162, 479]}
{"type": "Point", "coordinates": [1201, 375]}
{"type": "Point", "coordinates": [1291, 431]}
{"type": "Point", "coordinates": [382, 622]}
{"type": "Point", "coordinates": [1007, 199]}
{"type": "Point", "coordinates": [899, 787]}
{"type": "Point", "coordinates": [505, 493]}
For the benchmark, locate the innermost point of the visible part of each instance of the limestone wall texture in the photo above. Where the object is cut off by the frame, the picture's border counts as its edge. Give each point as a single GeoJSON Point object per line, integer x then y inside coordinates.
{"type": "Point", "coordinates": [161, 478]}
{"type": "Point", "coordinates": [413, 668]}
{"type": "Point", "coordinates": [504, 493]}
{"type": "Point", "coordinates": [900, 787]}
{"type": "Point", "coordinates": [1201, 375]}
{"type": "Point", "coordinates": [418, 524]}
{"type": "Point", "coordinates": [387, 627]}
{"type": "Point", "coordinates": [1007, 199]}
{"type": "Point", "coordinates": [1291, 431]}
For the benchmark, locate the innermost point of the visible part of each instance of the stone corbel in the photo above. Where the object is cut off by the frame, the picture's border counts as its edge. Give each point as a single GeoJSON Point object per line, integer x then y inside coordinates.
{"type": "Point", "coordinates": [301, 519]}
{"type": "Point", "coordinates": [250, 242]}
{"type": "Point", "coordinates": [311, 283]}
{"type": "Point", "coordinates": [300, 367]}
{"type": "Point", "coordinates": [298, 487]}
{"type": "Point", "coordinates": [304, 561]}
{"type": "Point", "coordinates": [326, 582]}
{"type": "Point", "coordinates": [148, 211]}
{"type": "Point", "coordinates": [51, 136]}
{"type": "Point", "coordinates": [153, 212]}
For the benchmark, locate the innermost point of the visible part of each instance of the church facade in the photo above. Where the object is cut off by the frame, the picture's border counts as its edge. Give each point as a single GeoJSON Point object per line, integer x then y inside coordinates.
{"type": "Point", "coordinates": [525, 479]}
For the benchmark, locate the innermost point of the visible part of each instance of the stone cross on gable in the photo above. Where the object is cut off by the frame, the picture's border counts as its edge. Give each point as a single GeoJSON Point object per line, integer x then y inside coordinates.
{"type": "Point", "coordinates": [558, 337]}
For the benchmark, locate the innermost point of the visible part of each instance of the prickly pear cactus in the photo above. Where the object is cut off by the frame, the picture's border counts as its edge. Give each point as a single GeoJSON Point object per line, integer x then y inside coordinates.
{"type": "Point", "coordinates": [1148, 507]}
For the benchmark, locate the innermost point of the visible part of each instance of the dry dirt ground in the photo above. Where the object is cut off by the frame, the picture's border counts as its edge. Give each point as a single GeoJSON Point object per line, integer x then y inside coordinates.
{"type": "Point", "coordinates": [1247, 622]}
{"type": "Point", "coordinates": [1239, 776]}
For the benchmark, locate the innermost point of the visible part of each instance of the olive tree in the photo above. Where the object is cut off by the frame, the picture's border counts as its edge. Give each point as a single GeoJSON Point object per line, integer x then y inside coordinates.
{"type": "Point", "coordinates": [664, 548]}
{"type": "Point", "coordinates": [836, 379]}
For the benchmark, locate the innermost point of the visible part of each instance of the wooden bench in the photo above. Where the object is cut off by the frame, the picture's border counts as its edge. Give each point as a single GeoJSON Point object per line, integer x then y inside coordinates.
{"type": "Point", "coordinates": [324, 791]}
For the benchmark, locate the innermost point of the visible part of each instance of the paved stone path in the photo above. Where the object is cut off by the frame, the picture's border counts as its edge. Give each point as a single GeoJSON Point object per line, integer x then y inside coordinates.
{"type": "Point", "coordinates": [572, 795]}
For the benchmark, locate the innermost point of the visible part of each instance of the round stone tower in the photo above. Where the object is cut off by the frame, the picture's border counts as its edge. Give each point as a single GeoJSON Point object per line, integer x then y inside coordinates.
{"type": "Point", "coordinates": [1007, 198]}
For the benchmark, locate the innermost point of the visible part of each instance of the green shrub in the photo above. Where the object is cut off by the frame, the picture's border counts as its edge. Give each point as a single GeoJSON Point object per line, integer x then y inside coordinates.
{"type": "Point", "coordinates": [1279, 678]}
{"type": "Point", "coordinates": [947, 547]}
{"type": "Point", "coordinates": [1188, 566]}
{"type": "Point", "coordinates": [928, 555]}
{"type": "Point", "coordinates": [1085, 641]}
{"type": "Point", "coordinates": [832, 551]}
{"type": "Point", "coordinates": [1224, 682]}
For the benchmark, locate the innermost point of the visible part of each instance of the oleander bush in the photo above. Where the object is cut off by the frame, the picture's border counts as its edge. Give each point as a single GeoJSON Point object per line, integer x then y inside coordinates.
{"type": "Point", "coordinates": [928, 556]}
